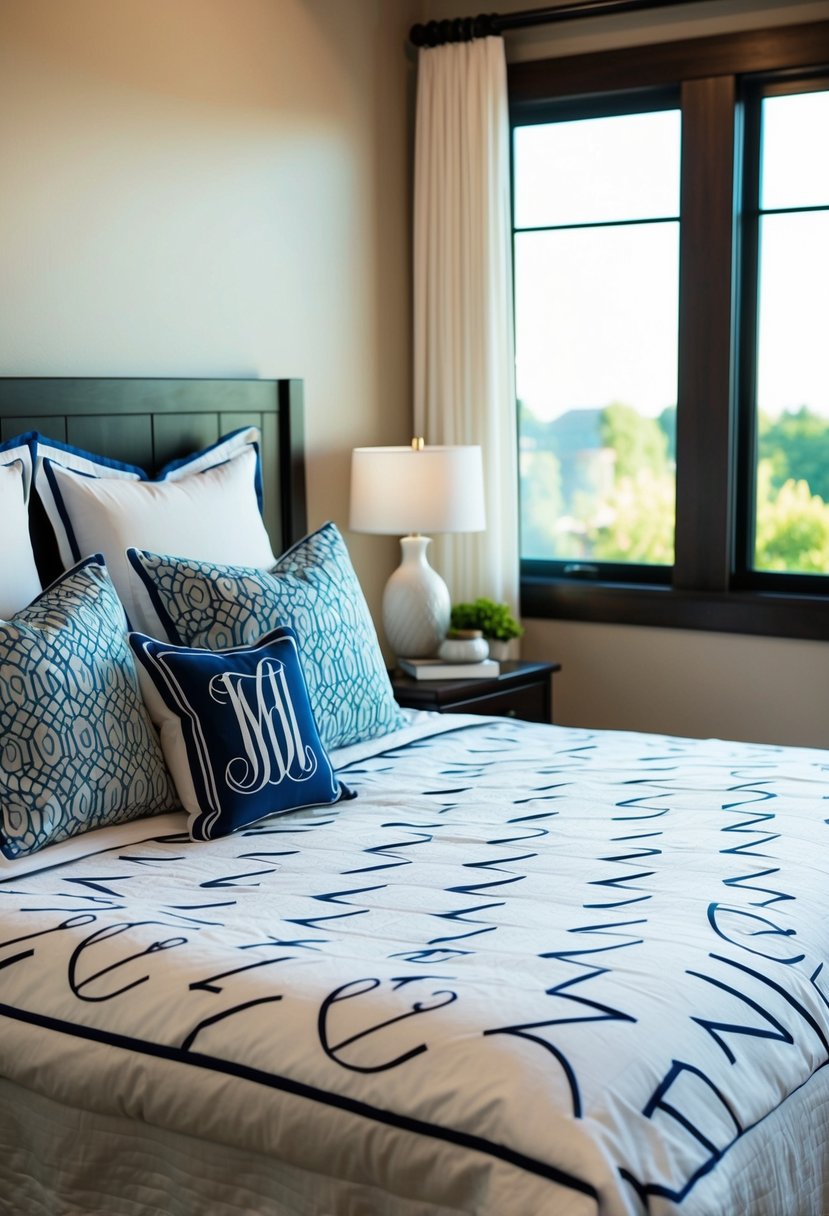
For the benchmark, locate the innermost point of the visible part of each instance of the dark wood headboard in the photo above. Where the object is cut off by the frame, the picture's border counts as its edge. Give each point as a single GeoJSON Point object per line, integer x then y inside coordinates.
{"type": "Point", "coordinates": [151, 422]}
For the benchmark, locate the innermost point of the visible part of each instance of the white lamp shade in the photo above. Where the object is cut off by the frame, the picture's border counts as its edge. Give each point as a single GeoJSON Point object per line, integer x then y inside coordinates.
{"type": "Point", "coordinates": [402, 490]}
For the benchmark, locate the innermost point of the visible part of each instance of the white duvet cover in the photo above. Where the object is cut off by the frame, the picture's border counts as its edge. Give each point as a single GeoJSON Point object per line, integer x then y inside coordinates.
{"type": "Point", "coordinates": [528, 970]}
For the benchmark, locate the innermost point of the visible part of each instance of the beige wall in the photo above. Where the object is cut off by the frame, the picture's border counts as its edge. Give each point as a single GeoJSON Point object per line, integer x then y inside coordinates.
{"type": "Point", "coordinates": [215, 187]}
{"type": "Point", "coordinates": [221, 187]}
{"type": "Point", "coordinates": [679, 682]}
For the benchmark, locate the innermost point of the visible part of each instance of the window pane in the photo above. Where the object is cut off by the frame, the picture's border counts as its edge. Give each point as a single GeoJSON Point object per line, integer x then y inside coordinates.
{"type": "Point", "coordinates": [794, 315]}
{"type": "Point", "coordinates": [792, 480]}
{"type": "Point", "coordinates": [795, 161]}
{"type": "Point", "coordinates": [597, 169]}
{"type": "Point", "coordinates": [596, 347]}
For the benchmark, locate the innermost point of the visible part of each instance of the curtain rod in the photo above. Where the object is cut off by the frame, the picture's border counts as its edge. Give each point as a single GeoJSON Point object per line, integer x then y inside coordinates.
{"type": "Point", "coordinates": [464, 29]}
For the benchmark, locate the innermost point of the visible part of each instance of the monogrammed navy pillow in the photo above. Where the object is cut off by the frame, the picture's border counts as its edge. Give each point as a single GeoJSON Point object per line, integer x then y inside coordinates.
{"type": "Point", "coordinates": [237, 731]}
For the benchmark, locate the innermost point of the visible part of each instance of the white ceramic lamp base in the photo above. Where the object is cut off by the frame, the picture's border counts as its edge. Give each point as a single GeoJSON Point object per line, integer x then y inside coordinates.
{"type": "Point", "coordinates": [416, 604]}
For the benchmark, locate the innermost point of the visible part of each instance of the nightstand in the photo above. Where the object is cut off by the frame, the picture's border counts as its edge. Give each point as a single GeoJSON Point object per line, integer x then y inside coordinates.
{"type": "Point", "coordinates": [522, 690]}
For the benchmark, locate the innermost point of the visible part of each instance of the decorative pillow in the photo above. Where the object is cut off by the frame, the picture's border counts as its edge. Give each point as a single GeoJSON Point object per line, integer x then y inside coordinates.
{"type": "Point", "coordinates": [19, 581]}
{"type": "Point", "coordinates": [206, 510]}
{"type": "Point", "coordinates": [103, 466]}
{"type": "Point", "coordinates": [223, 449]}
{"type": "Point", "coordinates": [312, 588]}
{"type": "Point", "coordinates": [237, 731]}
{"type": "Point", "coordinates": [21, 450]}
{"type": "Point", "coordinates": [77, 749]}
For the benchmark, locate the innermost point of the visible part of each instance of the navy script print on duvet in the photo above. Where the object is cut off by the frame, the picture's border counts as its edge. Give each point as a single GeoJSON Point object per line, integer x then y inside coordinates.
{"type": "Point", "coordinates": [565, 971]}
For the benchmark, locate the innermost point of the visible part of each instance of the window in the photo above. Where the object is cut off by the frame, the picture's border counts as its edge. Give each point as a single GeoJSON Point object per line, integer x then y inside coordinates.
{"type": "Point", "coordinates": [671, 248]}
{"type": "Point", "coordinates": [596, 304]}
{"type": "Point", "coordinates": [786, 273]}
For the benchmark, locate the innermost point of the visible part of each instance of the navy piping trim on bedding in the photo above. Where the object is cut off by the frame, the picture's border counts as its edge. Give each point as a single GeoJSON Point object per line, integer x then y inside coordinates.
{"type": "Point", "coordinates": [155, 598]}
{"type": "Point", "coordinates": [174, 465]}
{"type": "Point", "coordinates": [313, 1094]}
{"type": "Point", "coordinates": [61, 508]}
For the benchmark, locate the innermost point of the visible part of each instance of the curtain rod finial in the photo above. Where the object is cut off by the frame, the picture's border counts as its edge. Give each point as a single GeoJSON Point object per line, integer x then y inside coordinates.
{"type": "Point", "coordinates": [455, 29]}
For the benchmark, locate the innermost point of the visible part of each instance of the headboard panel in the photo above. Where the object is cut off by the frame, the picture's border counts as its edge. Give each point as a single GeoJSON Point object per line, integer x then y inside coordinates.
{"type": "Point", "coordinates": [151, 422]}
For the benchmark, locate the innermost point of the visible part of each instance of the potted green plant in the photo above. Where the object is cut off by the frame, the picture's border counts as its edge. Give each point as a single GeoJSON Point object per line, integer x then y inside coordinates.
{"type": "Point", "coordinates": [493, 620]}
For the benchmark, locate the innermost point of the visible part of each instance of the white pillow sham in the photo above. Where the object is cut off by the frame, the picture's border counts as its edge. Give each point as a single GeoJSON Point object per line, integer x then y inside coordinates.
{"type": "Point", "coordinates": [19, 580]}
{"type": "Point", "coordinates": [206, 507]}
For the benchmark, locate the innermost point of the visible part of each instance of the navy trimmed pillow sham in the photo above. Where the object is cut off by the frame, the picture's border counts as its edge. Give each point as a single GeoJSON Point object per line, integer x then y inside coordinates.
{"type": "Point", "coordinates": [237, 731]}
{"type": "Point", "coordinates": [207, 506]}
{"type": "Point", "coordinates": [19, 579]}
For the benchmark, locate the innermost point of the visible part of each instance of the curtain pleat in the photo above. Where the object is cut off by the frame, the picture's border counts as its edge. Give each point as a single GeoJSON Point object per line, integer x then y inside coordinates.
{"type": "Point", "coordinates": [463, 344]}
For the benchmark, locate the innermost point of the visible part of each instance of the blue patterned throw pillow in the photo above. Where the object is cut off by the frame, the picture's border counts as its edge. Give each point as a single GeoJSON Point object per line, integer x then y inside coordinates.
{"type": "Point", "coordinates": [237, 731]}
{"type": "Point", "coordinates": [77, 748]}
{"type": "Point", "coordinates": [313, 589]}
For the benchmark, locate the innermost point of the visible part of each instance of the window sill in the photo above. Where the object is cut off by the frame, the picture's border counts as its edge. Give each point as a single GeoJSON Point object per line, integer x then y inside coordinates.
{"type": "Point", "coordinates": [754, 612]}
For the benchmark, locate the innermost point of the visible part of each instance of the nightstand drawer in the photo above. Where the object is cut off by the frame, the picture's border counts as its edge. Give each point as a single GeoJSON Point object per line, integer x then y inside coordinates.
{"type": "Point", "coordinates": [529, 703]}
{"type": "Point", "coordinates": [520, 690]}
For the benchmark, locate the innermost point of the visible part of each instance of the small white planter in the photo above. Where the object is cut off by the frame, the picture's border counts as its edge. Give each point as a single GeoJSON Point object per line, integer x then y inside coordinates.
{"type": "Point", "coordinates": [470, 649]}
{"type": "Point", "coordinates": [500, 650]}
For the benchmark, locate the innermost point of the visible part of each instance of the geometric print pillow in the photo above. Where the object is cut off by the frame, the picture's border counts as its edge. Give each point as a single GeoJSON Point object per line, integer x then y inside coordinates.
{"type": "Point", "coordinates": [237, 731]}
{"type": "Point", "coordinates": [312, 589]}
{"type": "Point", "coordinates": [77, 748]}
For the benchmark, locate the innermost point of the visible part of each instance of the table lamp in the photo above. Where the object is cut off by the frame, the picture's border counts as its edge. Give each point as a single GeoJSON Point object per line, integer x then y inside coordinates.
{"type": "Point", "coordinates": [416, 490]}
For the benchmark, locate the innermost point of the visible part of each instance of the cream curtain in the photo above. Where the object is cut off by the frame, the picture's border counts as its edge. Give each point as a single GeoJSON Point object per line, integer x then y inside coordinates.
{"type": "Point", "coordinates": [463, 346]}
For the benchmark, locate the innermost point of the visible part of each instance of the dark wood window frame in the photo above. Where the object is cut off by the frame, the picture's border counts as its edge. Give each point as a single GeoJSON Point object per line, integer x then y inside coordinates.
{"type": "Point", "coordinates": [711, 586]}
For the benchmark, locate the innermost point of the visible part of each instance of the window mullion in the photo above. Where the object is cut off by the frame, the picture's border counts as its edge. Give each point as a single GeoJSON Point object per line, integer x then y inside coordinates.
{"type": "Point", "coordinates": [705, 441]}
{"type": "Point", "coordinates": [749, 234]}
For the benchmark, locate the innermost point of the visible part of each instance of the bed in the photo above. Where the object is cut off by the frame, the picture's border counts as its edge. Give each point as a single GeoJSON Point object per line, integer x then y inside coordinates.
{"type": "Point", "coordinates": [505, 968]}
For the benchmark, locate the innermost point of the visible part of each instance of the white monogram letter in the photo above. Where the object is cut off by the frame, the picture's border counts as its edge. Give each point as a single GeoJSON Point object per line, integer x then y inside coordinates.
{"type": "Point", "coordinates": [270, 734]}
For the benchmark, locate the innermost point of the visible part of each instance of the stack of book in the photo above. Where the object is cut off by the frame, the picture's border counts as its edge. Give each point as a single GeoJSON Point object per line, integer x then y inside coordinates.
{"type": "Point", "coordinates": [437, 669]}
